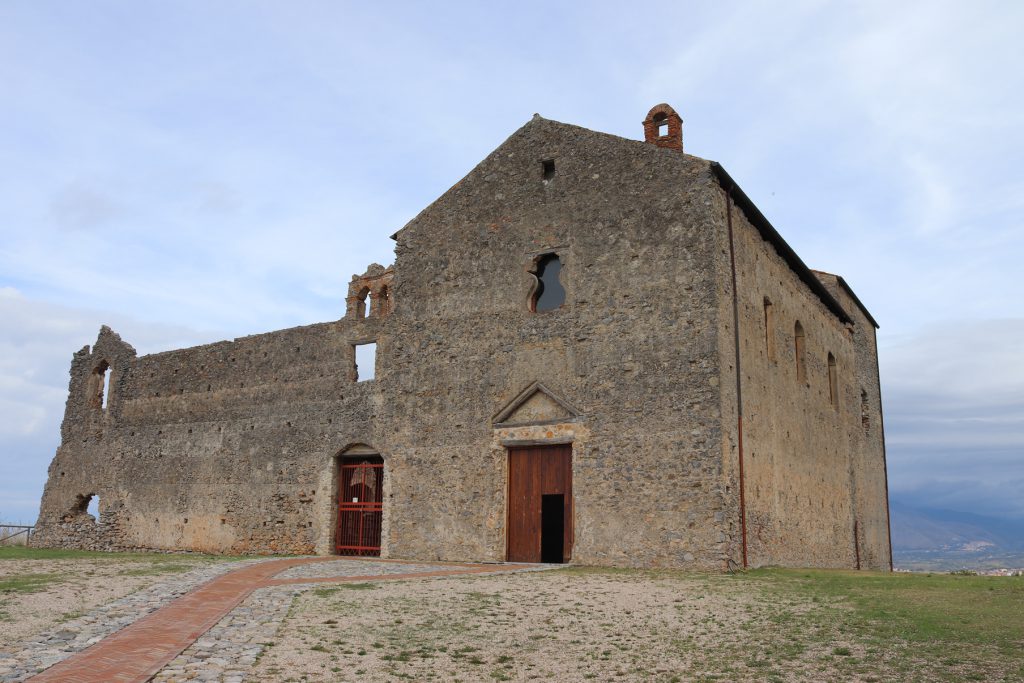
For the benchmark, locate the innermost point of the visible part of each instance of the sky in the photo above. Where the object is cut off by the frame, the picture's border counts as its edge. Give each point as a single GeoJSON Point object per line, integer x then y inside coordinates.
{"type": "Point", "coordinates": [195, 171]}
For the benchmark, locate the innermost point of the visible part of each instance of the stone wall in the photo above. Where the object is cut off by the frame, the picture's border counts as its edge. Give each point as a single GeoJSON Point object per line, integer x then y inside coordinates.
{"type": "Point", "coordinates": [801, 435]}
{"type": "Point", "coordinates": [634, 348]}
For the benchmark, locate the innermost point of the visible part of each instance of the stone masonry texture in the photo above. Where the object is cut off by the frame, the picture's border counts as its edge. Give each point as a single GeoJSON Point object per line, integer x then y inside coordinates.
{"type": "Point", "coordinates": [696, 441]}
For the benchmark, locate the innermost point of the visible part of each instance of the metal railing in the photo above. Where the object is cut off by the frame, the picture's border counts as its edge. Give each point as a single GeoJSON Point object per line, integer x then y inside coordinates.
{"type": "Point", "coordinates": [15, 534]}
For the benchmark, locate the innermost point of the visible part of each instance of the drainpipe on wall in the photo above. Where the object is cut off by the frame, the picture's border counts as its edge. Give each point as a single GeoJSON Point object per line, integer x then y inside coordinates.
{"type": "Point", "coordinates": [739, 389]}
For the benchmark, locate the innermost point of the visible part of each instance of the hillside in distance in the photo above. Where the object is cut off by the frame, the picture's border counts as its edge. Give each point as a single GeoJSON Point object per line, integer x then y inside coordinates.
{"type": "Point", "coordinates": [925, 539]}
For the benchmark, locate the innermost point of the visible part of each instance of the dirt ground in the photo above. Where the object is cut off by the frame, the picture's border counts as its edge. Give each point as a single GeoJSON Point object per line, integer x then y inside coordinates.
{"type": "Point", "coordinates": [36, 594]}
{"type": "Point", "coordinates": [565, 626]}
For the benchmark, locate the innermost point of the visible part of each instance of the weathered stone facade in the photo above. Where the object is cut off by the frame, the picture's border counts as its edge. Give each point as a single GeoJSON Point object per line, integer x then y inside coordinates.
{"type": "Point", "coordinates": [697, 438]}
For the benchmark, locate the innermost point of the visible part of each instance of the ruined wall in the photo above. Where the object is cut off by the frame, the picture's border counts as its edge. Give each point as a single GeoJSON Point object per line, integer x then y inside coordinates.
{"type": "Point", "coordinates": [228, 447]}
{"type": "Point", "coordinates": [634, 348]}
{"type": "Point", "coordinates": [797, 439]}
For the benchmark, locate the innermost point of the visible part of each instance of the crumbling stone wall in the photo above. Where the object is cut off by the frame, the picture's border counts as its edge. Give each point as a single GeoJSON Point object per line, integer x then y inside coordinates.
{"type": "Point", "coordinates": [220, 448]}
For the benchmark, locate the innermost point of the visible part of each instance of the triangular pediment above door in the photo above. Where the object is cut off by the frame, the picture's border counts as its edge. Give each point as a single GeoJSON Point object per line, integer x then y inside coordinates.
{"type": "Point", "coordinates": [536, 404]}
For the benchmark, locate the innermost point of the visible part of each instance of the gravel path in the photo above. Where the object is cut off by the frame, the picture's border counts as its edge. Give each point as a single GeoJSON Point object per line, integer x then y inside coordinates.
{"type": "Point", "coordinates": [227, 652]}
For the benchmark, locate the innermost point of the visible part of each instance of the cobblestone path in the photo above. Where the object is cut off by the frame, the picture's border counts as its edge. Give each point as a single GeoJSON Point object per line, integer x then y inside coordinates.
{"type": "Point", "coordinates": [216, 631]}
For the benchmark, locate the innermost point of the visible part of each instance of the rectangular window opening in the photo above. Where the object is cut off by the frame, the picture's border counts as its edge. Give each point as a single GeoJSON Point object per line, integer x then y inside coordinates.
{"type": "Point", "coordinates": [662, 129]}
{"type": "Point", "coordinates": [366, 361]}
{"type": "Point", "coordinates": [549, 168]}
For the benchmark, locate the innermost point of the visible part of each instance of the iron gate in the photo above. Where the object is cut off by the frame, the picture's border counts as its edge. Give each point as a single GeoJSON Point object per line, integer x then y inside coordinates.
{"type": "Point", "coordinates": [360, 506]}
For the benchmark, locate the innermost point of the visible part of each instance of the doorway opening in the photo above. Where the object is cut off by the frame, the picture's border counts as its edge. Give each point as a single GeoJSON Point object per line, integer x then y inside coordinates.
{"type": "Point", "coordinates": [360, 505]}
{"type": "Point", "coordinates": [552, 528]}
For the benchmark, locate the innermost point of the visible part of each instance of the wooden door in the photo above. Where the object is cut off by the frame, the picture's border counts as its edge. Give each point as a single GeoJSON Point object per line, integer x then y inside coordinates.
{"type": "Point", "coordinates": [536, 472]}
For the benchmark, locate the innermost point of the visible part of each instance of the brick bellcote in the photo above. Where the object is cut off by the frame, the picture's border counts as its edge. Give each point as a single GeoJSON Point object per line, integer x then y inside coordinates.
{"type": "Point", "coordinates": [664, 128]}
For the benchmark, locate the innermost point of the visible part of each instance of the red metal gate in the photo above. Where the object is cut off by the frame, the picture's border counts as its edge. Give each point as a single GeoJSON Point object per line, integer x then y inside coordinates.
{"type": "Point", "coordinates": [360, 506]}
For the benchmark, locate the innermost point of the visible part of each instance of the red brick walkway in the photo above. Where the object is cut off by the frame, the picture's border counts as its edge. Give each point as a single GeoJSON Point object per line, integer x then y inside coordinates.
{"type": "Point", "coordinates": [135, 653]}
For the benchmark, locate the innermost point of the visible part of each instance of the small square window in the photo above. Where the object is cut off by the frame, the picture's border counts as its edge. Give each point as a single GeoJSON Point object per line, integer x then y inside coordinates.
{"type": "Point", "coordinates": [548, 167]}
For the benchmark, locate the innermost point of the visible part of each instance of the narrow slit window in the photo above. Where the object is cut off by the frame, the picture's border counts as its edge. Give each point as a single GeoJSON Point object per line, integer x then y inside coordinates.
{"type": "Point", "coordinates": [93, 507]}
{"type": "Point", "coordinates": [800, 352]}
{"type": "Point", "coordinates": [833, 387]}
{"type": "Point", "coordinates": [769, 329]}
{"type": "Point", "coordinates": [865, 414]}
{"type": "Point", "coordinates": [549, 293]}
{"type": "Point", "coordinates": [99, 386]}
{"type": "Point", "coordinates": [105, 389]}
{"type": "Point", "coordinates": [365, 361]}
{"type": "Point", "coordinates": [548, 169]}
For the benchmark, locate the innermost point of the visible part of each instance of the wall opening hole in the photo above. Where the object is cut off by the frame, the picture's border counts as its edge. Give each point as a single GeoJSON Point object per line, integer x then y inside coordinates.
{"type": "Point", "coordinates": [661, 124]}
{"type": "Point", "coordinates": [548, 166]}
{"type": "Point", "coordinates": [88, 505]}
{"type": "Point", "coordinates": [833, 387]}
{"type": "Point", "coordinates": [865, 412]}
{"type": "Point", "coordinates": [363, 307]}
{"type": "Point", "coordinates": [105, 389]}
{"type": "Point", "coordinates": [366, 361]}
{"type": "Point", "coordinates": [549, 293]}
{"type": "Point", "coordinates": [769, 329]}
{"type": "Point", "coordinates": [552, 528]}
{"type": "Point", "coordinates": [799, 352]}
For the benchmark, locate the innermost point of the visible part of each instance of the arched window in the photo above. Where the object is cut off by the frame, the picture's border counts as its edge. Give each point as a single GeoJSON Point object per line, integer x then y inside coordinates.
{"type": "Point", "coordinates": [661, 124]}
{"type": "Point", "coordinates": [769, 329]}
{"type": "Point", "coordinates": [363, 307]}
{"type": "Point", "coordinates": [800, 352]}
{"type": "Point", "coordinates": [549, 293]}
{"type": "Point", "coordinates": [833, 386]}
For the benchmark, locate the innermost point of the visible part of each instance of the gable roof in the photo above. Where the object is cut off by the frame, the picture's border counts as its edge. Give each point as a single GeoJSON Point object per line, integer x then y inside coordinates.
{"type": "Point", "coordinates": [733, 190]}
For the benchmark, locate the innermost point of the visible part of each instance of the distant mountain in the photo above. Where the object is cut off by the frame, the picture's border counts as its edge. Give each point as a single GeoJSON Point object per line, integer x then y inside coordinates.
{"type": "Point", "coordinates": [925, 539]}
{"type": "Point", "coordinates": [917, 529]}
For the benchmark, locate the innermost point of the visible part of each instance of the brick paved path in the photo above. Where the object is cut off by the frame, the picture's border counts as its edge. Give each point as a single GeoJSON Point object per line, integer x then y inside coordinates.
{"type": "Point", "coordinates": [134, 654]}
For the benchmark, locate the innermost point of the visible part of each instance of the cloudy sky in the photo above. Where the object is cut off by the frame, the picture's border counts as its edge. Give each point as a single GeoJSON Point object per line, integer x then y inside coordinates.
{"type": "Point", "coordinates": [193, 171]}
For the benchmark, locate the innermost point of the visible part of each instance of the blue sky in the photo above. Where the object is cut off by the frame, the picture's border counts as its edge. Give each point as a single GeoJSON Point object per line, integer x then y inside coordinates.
{"type": "Point", "coordinates": [192, 171]}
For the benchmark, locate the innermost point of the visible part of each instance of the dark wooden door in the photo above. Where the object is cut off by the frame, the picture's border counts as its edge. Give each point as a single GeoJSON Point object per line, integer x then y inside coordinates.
{"type": "Point", "coordinates": [533, 473]}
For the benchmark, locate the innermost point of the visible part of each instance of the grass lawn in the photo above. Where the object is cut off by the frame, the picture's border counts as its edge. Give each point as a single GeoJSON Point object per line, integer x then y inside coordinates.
{"type": "Point", "coordinates": [954, 627]}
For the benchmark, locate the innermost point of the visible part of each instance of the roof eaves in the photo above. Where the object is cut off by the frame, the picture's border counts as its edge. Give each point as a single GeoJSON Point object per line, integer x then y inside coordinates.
{"type": "Point", "coordinates": [772, 236]}
{"type": "Point", "coordinates": [860, 305]}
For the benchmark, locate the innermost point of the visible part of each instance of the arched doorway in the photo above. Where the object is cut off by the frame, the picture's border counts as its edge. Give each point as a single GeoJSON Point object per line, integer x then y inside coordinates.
{"type": "Point", "coordinates": [360, 502]}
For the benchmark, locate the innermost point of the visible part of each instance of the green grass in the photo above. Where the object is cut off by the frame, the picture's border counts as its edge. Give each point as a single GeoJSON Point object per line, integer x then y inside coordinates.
{"type": "Point", "coordinates": [26, 553]}
{"type": "Point", "coordinates": [28, 583]}
{"type": "Point", "coordinates": [955, 625]}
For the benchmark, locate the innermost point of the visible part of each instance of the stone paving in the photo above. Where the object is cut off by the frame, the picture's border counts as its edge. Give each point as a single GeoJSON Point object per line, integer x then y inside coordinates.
{"type": "Point", "coordinates": [49, 647]}
{"type": "Point", "coordinates": [219, 650]}
{"type": "Point", "coordinates": [227, 651]}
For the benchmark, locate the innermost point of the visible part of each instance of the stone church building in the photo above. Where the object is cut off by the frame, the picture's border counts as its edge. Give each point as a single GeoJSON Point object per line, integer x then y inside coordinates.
{"type": "Point", "coordinates": [590, 349]}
